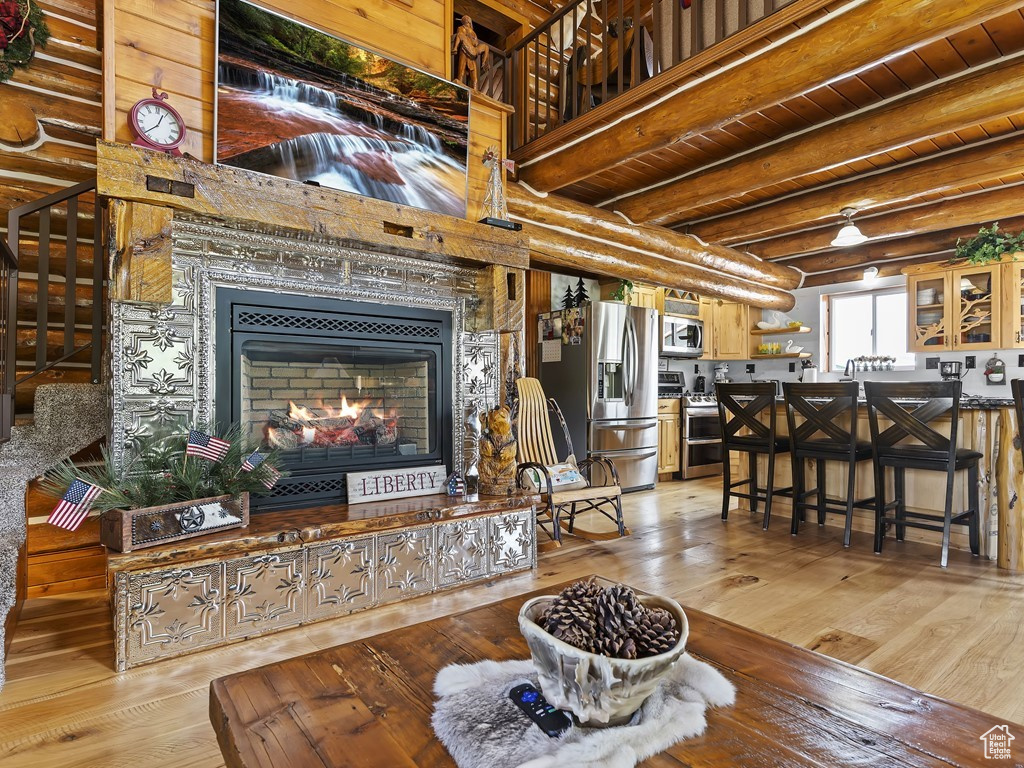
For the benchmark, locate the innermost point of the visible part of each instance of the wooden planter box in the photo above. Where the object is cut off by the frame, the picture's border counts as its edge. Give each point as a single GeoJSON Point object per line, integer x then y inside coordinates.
{"type": "Point", "coordinates": [124, 530]}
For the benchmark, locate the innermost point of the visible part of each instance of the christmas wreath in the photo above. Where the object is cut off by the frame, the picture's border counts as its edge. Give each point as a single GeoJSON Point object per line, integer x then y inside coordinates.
{"type": "Point", "coordinates": [22, 28]}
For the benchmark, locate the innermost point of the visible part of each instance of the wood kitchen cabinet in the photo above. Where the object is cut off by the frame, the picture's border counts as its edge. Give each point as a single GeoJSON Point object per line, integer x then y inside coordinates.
{"type": "Point", "coordinates": [649, 296]}
{"type": "Point", "coordinates": [730, 331]}
{"type": "Point", "coordinates": [964, 308]}
{"type": "Point", "coordinates": [668, 438]}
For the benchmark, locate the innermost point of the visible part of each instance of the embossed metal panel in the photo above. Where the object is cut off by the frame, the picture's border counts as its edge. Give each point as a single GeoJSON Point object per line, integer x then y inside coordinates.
{"type": "Point", "coordinates": [340, 578]}
{"type": "Point", "coordinates": [263, 593]}
{"type": "Point", "coordinates": [173, 612]}
{"type": "Point", "coordinates": [405, 563]}
{"type": "Point", "coordinates": [461, 551]}
{"type": "Point", "coordinates": [513, 542]}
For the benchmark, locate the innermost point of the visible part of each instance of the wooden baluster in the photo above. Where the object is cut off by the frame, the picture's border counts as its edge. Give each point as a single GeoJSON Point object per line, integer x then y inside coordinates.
{"type": "Point", "coordinates": [535, 100]}
{"type": "Point", "coordinates": [547, 98]}
{"type": "Point", "coordinates": [97, 289]}
{"type": "Point", "coordinates": [657, 35]}
{"type": "Point", "coordinates": [696, 27]}
{"type": "Point", "coordinates": [70, 276]}
{"type": "Point", "coordinates": [620, 50]}
{"type": "Point", "coordinates": [42, 287]}
{"type": "Point", "coordinates": [719, 20]}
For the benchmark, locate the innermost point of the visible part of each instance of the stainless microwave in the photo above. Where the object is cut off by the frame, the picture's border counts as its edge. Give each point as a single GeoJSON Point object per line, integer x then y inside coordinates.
{"type": "Point", "coordinates": [681, 336]}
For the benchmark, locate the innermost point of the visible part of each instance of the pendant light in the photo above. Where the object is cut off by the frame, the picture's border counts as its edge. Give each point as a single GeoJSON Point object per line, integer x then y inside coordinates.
{"type": "Point", "coordinates": [849, 234]}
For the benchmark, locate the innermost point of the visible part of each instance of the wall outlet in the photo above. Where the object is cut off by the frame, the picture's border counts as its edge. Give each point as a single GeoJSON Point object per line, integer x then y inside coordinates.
{"type": "Point", "coordinates": [696, 368]}
{"type": "Point", "coordinates": [750, 367]}
{"type": "Point", "coordinates": [792, 367]}
{"type": "Point", "coordinates": [931, 362]}
{"type": "Point", "coordinates": [970, 362]}
{"type": "Point", "coordinates": [1020, 361]}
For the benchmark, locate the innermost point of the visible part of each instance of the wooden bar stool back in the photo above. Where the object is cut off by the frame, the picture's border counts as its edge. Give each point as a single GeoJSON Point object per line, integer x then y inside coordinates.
{"type": "Point", "coordinates": [1017, 387]}
{"type": "Point", "coordinates": [822, 437]}
{"type": "Point", "coordinates": [746, 413]}
{"type": "Point", "coordinates": [911, 442]}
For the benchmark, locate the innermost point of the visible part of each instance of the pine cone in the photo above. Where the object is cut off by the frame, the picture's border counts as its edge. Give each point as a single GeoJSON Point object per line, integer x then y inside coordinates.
{"type": "Point", "coordinates": [570, 620]}
{"type": "Point", "coordinates": [655, 632]}
{"type": "Point", "coordinates": [615, 612]}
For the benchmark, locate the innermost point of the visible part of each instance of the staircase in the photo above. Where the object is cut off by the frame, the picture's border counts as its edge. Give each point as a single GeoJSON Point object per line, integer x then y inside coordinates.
{"type": "Point", "coordinates": [68, 418]}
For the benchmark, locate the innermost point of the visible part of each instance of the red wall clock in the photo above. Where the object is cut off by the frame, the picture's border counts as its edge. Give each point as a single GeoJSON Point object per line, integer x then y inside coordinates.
{"type": "Point", "coordinates": [156, 124]}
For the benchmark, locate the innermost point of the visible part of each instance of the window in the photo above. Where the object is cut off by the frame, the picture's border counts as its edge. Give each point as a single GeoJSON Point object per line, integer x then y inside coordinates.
{"type": "Point", "coordinates": [870, 323]}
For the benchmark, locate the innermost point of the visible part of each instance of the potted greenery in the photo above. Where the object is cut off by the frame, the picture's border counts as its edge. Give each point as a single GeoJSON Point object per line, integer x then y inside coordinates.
{"type": "Point", "coordinates": [165, 494]}
{"type": "Point", "coordinates": [990, 244]}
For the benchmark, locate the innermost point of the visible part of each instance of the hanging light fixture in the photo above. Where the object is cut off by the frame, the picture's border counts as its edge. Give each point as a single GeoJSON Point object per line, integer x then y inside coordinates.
{"type": "Point", "coordinates": [849, 234]}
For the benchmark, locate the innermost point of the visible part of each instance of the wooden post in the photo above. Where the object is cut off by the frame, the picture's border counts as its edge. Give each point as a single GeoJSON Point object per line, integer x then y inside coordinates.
{"type": "Point", "coordinates": [140, 242]}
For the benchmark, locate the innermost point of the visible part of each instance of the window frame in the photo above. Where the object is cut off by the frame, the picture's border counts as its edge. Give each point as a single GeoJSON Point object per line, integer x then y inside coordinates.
{"type": "Point", "coordinates": [834, 365]}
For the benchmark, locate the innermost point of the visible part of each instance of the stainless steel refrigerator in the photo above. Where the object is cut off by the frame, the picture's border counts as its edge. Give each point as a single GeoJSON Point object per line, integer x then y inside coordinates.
{"type": "Point", "coordinates": [607, 387]}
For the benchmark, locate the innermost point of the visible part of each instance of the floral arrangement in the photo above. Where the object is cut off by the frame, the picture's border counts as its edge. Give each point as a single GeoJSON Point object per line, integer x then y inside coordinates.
{"type": "Point", "coordinates": [22, 28]}
{"type": "Point", "coordinates": [165, 470]}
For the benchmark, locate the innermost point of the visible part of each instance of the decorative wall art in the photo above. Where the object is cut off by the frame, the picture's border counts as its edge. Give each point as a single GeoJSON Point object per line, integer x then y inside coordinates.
{"type": "Point", "coordinates": [296, 102]}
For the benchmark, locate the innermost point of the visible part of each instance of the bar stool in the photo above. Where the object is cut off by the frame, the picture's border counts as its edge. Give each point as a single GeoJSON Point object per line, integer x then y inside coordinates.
{"type": "Point", "coordinates": [823, 438]}
{"type": "Point", "coordinates": [928, 449]}
{"type": "Point", "coordinates": [741, 406]}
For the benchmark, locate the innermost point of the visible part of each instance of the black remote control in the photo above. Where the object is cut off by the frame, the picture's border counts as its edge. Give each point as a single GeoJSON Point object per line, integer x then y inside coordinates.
{"type": "Point", "coordinates": [550, 720]}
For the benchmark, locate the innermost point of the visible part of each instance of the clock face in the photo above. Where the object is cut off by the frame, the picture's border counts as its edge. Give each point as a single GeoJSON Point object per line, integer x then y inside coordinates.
{"type": "Point", "coordinates": [158, 123]}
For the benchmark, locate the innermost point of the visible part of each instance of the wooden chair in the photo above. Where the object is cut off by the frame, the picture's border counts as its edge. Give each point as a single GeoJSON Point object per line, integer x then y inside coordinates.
{"type": "Point", "coordinates": [912, 443]}
{"type": "Point", "coordinates": [741, 407]}
{"type": "Point", "coordinates": [537, 452]}
{"type": "Point", "coordinates": [828, 433]}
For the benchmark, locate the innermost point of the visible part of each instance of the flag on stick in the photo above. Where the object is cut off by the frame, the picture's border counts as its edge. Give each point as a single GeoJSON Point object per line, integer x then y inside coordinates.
{"type": "Point", "coordinates": [254, 460]}
{"type": "Point", "coordinates": [74, 507]}
{"type": "Point", "coordinates": [202, 444]}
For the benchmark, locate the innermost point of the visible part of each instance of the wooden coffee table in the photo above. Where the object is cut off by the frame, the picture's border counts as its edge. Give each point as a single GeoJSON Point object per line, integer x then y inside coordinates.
{"type": "Point", "coordinates": [368, 703]}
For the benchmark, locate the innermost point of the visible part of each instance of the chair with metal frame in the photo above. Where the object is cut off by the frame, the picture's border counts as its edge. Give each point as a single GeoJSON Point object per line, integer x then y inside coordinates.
{"type": "Point", "coordinates": [910, 442]}
{"type": "Point", "coordinates": [536, 451]}
{"type": "Point", "coordinates": [740, 407]}
{"type": "Point", "coordinates": [822, 436]}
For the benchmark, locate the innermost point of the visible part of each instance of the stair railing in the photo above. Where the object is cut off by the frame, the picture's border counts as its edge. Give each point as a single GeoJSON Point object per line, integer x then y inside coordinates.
{"type": "Point", "coordinates": [70, 198]}
{"type": "Point", "coordinates": [577, 59]}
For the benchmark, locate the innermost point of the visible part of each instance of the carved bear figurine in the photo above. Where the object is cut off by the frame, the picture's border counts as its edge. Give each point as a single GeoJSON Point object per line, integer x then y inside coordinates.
{"type": "Point", "coordinates": [498, 455]}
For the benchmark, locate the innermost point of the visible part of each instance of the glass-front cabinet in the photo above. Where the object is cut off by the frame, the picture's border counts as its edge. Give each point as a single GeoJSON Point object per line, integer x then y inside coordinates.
{"type": "Point", "coordinates": [929, 302]}
{"type": "Point", "coordinates": [976, 299]}
{"type": "Point", "coordinates": [965, 308]}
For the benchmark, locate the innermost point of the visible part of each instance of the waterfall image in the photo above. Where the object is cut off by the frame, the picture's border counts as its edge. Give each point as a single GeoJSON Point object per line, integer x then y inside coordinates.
{"type": "Point", "coordinates": [298, 103]}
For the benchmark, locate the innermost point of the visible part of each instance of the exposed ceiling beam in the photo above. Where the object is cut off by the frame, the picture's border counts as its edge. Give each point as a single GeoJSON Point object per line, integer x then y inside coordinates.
{"type": "Point", "coordinates": [857, 273]}
{"type": "Point", "coordinates": [943, 172]}
{"type": "Point", "coordinates": [559, 249]}
{"type": "Point", "coordinates": [589, 221]}
{"type": "Point", "coordinates": [880, 251]}
{"type": "Point", "coordinates": [838, 46]}
{"type": "Point", "coordinates": [976, 96]}
{"type": "Point", "coordinates": [977, 207]}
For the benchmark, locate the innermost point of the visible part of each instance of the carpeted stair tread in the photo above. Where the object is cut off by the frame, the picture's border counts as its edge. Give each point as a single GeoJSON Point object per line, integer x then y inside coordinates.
{"type": "Point", "coordinates": [68, 418]}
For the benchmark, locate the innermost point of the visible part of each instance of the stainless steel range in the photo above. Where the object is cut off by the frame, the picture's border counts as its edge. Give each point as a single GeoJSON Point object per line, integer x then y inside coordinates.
{"type": "Point", "coordinates": [700, 439]}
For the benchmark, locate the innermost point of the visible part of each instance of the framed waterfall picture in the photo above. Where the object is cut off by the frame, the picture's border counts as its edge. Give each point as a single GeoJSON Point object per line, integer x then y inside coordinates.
{"type": "Point", "coordinates": [296, 102]}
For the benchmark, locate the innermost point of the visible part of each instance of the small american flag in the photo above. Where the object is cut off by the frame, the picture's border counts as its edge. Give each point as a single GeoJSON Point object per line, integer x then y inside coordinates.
{"type": "Point", "coordinates": [254, 460]}
{"type": "Point", "coordinates": [202, 444]}
{"type": "Point", "coordinates": [74, 507]}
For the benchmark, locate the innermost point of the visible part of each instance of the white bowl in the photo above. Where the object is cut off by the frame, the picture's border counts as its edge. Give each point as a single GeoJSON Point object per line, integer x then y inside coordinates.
{"type": "Point", "coordinates": [600, 690]}
{"type": "Point", "coordinates": [766, 326]}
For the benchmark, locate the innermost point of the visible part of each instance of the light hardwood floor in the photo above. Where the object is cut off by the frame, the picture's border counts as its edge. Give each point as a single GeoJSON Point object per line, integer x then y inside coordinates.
{"type": "Point", "coordinates": [956, 633]}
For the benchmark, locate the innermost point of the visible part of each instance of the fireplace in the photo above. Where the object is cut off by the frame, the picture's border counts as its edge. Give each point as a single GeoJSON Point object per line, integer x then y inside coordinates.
{"type": "Point", "coordinates": [336, 385]}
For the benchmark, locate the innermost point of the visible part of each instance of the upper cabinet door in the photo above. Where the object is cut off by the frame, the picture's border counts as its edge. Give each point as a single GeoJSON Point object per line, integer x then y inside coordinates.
{"type": "Point", "coordinates": [930, 305]}
{"type": "Point", "coordinates": [732, 330]}
{"type": "Point", "coordinates": [977, 306]}
{"type": "Point", "coordinates": [1013, 304]}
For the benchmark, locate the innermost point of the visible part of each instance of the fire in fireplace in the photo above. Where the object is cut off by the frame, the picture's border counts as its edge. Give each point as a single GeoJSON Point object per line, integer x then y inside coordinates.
{"type": "Point", "coordinates": [335, 385]}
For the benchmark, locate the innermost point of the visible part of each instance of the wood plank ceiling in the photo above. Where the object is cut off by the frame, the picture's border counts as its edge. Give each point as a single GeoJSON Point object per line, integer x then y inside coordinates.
{"type": "Point", "coordinates": [918, 129]}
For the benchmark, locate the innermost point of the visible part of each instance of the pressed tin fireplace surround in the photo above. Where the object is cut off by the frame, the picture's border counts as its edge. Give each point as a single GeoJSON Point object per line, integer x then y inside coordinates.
{"type": "Point", "coordinates": [163, 358]}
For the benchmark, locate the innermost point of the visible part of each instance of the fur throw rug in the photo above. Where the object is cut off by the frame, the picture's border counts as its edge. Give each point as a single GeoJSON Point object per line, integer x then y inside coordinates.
{"type": "Point", "coordinates": [480, 726]}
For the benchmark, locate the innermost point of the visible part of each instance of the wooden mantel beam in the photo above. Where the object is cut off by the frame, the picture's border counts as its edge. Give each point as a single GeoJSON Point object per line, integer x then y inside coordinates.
{"type": "Point", "coordinates": [978, 95]}
{"type": "Point", "coordinates": [726, 263]}
{"type": "Point", "coordinates": [221, 192]}
{"type": "Point", "coordinates": [850, 40]}
{"type": "Point", "coordinates": [561, 250]}
{"type": "Point", "coordinates": [941, 173]}
{"type": "Point", "coordinates": [975, 208]}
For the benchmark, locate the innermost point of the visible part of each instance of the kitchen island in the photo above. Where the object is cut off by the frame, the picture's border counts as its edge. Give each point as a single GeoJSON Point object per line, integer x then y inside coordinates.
{"type": "Point", "coordinates": [986, 425]}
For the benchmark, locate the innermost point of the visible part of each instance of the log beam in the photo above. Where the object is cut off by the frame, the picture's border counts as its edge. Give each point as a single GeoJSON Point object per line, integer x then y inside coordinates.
{"type": "Point", "coordinates": [857, 273]}
{"type": "Point", "coordinates": [140, 240]}
{"type": "Point", "coordinates": [851, 40]}
{"type": "Point", "coordinates": [942, 173]}
{"type": "Point", "coordinates": [973, 209]}
{"type": "Point", "coordinates": [939, 243]}
{"type": "Point", "coordinates": [590, 221]}
{"type": "Point", "coordinates": [563, 250]}
{"type": "Point", "coordinates": [977, 96]}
